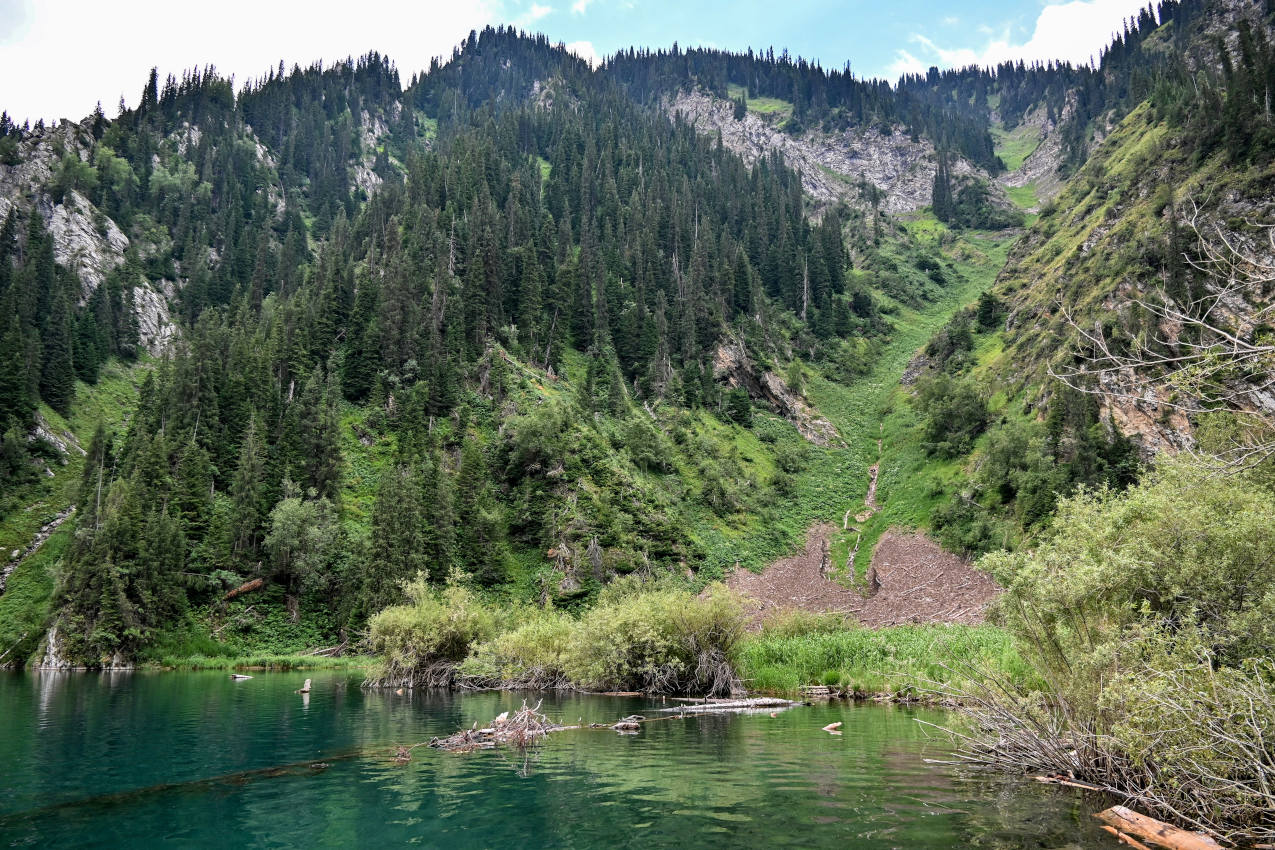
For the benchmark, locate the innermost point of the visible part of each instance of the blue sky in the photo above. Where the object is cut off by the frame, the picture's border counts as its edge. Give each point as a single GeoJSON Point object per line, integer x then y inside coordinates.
{"type": "Point", "coordinates": [876, 38]}
{"type": "Point", "coordinates": [59, 57]}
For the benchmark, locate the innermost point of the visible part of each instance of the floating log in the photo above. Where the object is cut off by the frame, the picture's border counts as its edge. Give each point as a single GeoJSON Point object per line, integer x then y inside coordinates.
{"type": "Point", "coordinates": [246, 587]}
{"type": "Point", "coordinates": [832, 727]}
{"type": "Point", "coordinates": [733, 706]}
{"type": "Point", "coordinates": [305, 689]}
{"type": "Point", "coordinates": [1157, 832]}
{"type": "Point", "coordinates": [239, 676]}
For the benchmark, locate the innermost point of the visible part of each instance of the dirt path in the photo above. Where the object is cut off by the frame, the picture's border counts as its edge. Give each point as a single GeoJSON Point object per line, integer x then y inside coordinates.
{"type": "Point", "coordinates": [918, 582]}
{"type": "Point", "coordinates": [45, 532]}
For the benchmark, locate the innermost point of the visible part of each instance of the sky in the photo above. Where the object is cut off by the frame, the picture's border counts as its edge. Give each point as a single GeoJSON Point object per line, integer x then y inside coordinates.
{"type": "Point", "coordinates": [60, 57]}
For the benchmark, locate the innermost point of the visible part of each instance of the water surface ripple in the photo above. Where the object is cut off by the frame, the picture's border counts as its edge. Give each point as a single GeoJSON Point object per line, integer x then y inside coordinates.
{"type": "Point", "coordinates": [198, 760]}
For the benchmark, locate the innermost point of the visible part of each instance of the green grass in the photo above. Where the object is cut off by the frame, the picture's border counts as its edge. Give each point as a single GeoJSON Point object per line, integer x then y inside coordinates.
{"type": "Point", "coordinates": [363, 465]}
{"type": "Point", "coordinates": [835, 479]}
{"type": "Point", "coordinates": [426, 127]}
{"type": "Point", "coordinates": [898, 659]}
{"type": "Point", "coordinates": [1024, 197]}
{"type": "Point", "coordinates": [1014, 146]}
{"type": "Point", "coordinates": [768, 106]}
{"type": "Point", "coordinates": [259, 662]}
{"type": "Point", "coordinates": [25, 604]}
{"type": "Point", "coordinates": [27, 598]}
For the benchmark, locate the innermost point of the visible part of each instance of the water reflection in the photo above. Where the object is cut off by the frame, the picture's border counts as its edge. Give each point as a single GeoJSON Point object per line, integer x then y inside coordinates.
{"type": "Point", "coordinates": [199, 760]}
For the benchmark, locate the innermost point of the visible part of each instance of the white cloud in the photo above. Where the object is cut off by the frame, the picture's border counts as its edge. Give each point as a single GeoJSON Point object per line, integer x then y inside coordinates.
{"type": "Point", "coordinates": [905, 63]}
{"type": "Point", "coordinates": [534, 13]}
{"type": "Point", "coordinates": [67, 56]}
{"type": "Point", "coordinates": [1075, 31]}
{"type": "Point", "coordinates": [584, 49]}
{"type": "Point", "coordinates": [579, 6]}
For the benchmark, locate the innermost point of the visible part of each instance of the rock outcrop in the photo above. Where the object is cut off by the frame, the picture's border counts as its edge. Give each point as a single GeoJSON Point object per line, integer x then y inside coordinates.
{"type": "Point", "coordinates": [732, 364]}
{"type": "Point", "coordinates": [85, 241]}
{"type": "Point", "coordinates": [831, 164]}
{"type": "Point", "coordinates": [155, 327]}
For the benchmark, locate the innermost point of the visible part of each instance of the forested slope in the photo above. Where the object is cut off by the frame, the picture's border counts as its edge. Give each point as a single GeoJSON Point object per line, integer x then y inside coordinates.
{"type": "Point", "coordinates": [519, 321]}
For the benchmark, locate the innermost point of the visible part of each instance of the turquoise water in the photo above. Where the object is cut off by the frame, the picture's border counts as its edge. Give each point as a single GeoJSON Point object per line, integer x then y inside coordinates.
{"type": "Point", "coordinates": [198, 760]}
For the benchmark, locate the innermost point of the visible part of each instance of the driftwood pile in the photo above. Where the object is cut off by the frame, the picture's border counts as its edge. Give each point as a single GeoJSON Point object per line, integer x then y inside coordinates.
{"type": "Point", "coordinates": [520, 730]}
{"type": "Point", "coordinates": [527, 726]}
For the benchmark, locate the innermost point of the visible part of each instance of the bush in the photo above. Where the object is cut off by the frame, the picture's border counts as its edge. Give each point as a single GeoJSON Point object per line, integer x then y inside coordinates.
{"type": "Point", "coordinates": [954, 414]}
{"type": "Point", "coordinates": [659, 641]}
{"type": "Point", "coordinates": [531, 655]}
{"type": "Point", "coordinates": [1184, 549]}
{"type": "Point", "coordinates": [422, 642]}
{"type": "Point", "coordinates": [656, 638]}
{"type": "Point", "coordinates": [1152, 616]}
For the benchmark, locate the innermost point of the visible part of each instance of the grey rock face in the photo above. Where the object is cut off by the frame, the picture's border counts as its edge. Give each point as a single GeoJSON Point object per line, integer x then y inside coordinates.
{"type": "Point", "coordinates": [155, 328]}
{"type": "Point", "coordinates": [85, 241]}
{"type": "Point", "coordinates": [831, 164]}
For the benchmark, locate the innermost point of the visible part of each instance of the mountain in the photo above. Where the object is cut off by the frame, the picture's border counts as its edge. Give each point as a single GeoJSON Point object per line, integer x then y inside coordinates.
{"type": "Point", "coordinates": [545, 325]}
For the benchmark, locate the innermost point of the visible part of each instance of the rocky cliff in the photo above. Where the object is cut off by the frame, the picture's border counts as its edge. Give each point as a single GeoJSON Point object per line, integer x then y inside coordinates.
{"type": "Point", "coordinates": [85, 240]}
{"type": "Point", "coordinates": [834, 166]}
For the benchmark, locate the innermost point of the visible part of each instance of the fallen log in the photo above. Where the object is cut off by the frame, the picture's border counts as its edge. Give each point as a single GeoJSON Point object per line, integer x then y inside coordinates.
{"type": "Point", "coordinates": [733, 706]}
{"type": "Point", "coordinates": [1157, 832]}
{"type": "Point", "coordinates": [1125, 839]}
{"type": "Point", "coordinates": [246, 587]}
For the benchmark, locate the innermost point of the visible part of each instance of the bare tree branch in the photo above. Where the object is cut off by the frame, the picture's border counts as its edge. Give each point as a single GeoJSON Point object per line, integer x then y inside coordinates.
{"type": "Point", "coordinates": [1212, 352]}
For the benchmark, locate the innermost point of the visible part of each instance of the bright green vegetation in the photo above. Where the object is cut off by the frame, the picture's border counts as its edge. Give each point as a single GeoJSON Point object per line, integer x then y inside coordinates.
{"type": "Point", "coordinates": [899, 660]}
{"type": "Point", "coordinates": [28, 597]}
{"type": "Point", "coordinates": [256, 662]}
{"type": "Point", "coordinates": [658, 639]}
{"type": "Point", "coordinates": [910, 483]}
{"type": "Point", "coordinates": [1014, 146]}
{"type": "Point", "coordinates": [1024, 197]}
{"type": "Point", "coordinates": [768, 106]}
{"type": "Point", "coordinates": [1151, 615]}
{"type": "Point", "coordinates": [27, 600]}
{"type": "Point", "coordinates": [662, 638]}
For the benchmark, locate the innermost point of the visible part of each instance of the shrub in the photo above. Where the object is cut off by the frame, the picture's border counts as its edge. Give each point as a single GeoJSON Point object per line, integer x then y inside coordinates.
{"type": "Point", "coordinates": [1152, 616]}
{"type": "Point", "coordinates": [533, 654]}
{"type": "Point", "coordinates": [954, 414]}
{"type": "Point", "coordinates": [658, 640]}
{"type": "Point", "coordinates": [422, 642]}
{"type": "Point", "coordinates": [1184, 549]}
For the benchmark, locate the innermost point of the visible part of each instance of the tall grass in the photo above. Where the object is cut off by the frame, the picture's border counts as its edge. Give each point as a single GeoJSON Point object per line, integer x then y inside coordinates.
{"type": "Point", "coordinates": [898, 659]}
{"type": "Point", "coordinates": [258, 662]}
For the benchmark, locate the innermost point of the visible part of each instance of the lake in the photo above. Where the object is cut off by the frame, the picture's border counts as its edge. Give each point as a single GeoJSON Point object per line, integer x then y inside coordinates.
{"type": "Point", "coordinates": [198, 760]}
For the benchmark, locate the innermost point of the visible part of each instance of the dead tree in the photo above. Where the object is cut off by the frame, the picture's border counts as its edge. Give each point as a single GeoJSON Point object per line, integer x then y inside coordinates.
{"type": "Point", "coordinates": [1213, 351]}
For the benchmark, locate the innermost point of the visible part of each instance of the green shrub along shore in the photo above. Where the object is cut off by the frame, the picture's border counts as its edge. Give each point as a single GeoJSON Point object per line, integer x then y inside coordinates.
{"type": "Point", "coordinates": [659, 637]}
